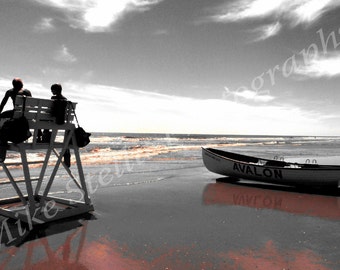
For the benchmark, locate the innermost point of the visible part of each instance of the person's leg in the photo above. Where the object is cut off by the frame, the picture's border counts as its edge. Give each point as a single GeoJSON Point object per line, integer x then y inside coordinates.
{"type": "Point", "coordinates": [67, 158]}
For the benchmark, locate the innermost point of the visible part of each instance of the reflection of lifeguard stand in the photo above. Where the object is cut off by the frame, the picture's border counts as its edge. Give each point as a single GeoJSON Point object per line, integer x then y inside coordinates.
{"type": "Point", "coordinates": [33, 202]}
{"type": "Point", "coordinates": [42, 253]}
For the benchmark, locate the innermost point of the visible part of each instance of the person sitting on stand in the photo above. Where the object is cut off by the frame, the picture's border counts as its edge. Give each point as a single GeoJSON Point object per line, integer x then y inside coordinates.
{"type": "Point", "coordinates": [11, 93]}
{"type": "Point", "coordinates": [59, 112]}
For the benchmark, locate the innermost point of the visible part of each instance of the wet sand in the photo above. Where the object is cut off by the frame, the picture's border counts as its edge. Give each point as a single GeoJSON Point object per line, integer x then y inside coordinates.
{"type": "Point", "coordinates": [168, 213]}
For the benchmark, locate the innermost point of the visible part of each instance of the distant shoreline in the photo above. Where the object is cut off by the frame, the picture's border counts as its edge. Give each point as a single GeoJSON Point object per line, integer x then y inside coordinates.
{"type": "Point", "coordinates": [183, 135]}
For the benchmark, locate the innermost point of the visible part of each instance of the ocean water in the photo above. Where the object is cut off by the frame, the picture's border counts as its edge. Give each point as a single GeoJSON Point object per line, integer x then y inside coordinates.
{"type": "Point", "coordinates": [123, 154]}
{"type": "Point", "coordinates": [111, 147]}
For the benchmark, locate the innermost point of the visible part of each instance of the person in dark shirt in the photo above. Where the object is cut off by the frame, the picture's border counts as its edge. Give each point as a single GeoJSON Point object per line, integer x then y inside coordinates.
{"type": "Point", "coordinates": [59, 112]}
{"type": "Point", "coordinates": [57, 96]}
{"type": "Point", "coordinates": [60, 103]}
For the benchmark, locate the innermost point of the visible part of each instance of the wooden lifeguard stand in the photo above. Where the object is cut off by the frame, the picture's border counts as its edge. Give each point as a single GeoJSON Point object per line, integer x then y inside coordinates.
{"type": "Point", "coordinates": [33, 203]}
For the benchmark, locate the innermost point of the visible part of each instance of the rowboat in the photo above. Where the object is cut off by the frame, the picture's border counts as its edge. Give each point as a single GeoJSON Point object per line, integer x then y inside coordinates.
{"type": "Point", "coordinates": [239, 166]}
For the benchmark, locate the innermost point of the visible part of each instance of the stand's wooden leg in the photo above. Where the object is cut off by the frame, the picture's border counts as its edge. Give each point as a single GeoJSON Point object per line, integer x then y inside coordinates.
{"type": "Point", "coordinates": [45, 164]}
{"type": "Point", "coordinates": [28, 182]}
{"type": "Point", "coordinates": [81, 176]}
{"type": "Point", "coordinates": [15, 186]}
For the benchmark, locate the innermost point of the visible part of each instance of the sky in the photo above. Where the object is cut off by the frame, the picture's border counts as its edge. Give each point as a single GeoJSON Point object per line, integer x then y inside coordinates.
{"type": "Point", "coordinates": [243, 67]}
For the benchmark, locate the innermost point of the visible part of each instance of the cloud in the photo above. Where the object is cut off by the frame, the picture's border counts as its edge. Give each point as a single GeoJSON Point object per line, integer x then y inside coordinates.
{"type": "Point", "coordinates": [127, 110]}
{"type": "Point", "coordinates": [63, 55]}
{"type": "Point", "coordinates": [112, 109]}
{"type": "Point", "coordinates": [287, 12]}
{"type": "Point", "coordinates": [320, 66]}
{"type": "Point", "coordinates": [99, 15]}
{"type": "Point", "coordinates": [243, 94]}
{"type": "Point", "coordinates": [254, 96]}
{"type": "Point", "coordinates": [247, 9]}
{"type": "Point", "coordinates": [309, 11]}
{"type": "Point", "coordinates": [267, 31]}
{"type": "Point", "coordinates": [45, 25]}
{"type": "Point", "coordinates": [161, 32]}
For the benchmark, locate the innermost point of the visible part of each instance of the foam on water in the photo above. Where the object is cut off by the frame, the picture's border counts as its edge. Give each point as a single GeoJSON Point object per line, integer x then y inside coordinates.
{"type": "Point", "coordinates": [108, 148]}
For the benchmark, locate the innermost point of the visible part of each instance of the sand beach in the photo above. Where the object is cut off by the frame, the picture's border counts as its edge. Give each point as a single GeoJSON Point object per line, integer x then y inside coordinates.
{"type": "Point", "coordinates": [158, 207]}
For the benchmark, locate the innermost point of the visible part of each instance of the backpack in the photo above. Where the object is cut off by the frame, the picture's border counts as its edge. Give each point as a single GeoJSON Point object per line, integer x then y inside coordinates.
{"type": "Point", "coordinates": [15, 130]}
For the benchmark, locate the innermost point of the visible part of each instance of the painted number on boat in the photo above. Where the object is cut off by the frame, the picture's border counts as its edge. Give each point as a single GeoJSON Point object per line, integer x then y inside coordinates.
{"type": "Point", "coordinates": [252, 170]}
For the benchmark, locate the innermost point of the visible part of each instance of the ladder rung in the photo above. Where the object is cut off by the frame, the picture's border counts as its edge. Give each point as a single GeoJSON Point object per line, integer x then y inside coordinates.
{"type": "Point", "coordinates": [21, 180]}
{"type": "Point", "coordinates": [20, 163]}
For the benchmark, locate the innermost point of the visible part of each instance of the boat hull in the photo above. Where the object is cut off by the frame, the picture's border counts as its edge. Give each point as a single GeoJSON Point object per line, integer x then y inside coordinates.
{"type": "Point", "coordinates": [292, 174]}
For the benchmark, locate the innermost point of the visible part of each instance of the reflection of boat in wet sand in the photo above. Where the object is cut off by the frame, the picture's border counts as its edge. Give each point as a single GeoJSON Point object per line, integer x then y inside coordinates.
{"type": "Point", "coordinates": [270, 171]}
{"type": "Point", "coordinates": [277, 199]}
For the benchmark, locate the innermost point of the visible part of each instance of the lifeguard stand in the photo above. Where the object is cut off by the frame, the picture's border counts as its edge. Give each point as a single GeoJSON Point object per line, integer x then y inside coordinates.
{"type": "Point", "coordinates": [33, 202]}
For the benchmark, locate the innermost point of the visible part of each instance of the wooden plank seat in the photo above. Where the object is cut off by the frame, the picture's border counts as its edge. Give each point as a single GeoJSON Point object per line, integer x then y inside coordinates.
{"type": "Point", "coordinates": [38, 113]}
{"type": "Point", "coordinates": [33, 202]}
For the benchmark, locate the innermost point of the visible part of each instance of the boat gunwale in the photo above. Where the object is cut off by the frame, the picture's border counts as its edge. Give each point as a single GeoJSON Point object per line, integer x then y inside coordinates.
{"type": "Point", "coordinates": [303, 166]}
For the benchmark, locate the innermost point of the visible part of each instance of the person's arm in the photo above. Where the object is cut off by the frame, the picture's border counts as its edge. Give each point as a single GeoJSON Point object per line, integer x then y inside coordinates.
{"type": "Point", "coordinates": [4, 101]}
{"type": "Point", "coordinates": [25, 92]}
{"type": "Point", "coordinates": [28, 94]}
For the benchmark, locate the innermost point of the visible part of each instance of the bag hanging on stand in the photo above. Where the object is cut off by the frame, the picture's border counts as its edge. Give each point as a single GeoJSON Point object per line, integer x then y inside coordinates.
{"type": "Point", "coordinates": [16, 130]}
{"type": "Point", "coordinates": [82, 137]}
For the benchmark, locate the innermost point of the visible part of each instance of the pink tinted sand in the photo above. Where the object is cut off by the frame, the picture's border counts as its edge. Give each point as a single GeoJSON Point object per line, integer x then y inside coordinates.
{"type": "Point", "coordinates": [168, 212]}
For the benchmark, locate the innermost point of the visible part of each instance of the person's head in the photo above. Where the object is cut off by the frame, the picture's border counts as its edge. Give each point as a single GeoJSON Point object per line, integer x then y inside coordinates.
{"type": "Point", "coordinates": [56, 89]}
{"type": "Point", "coordinates": [17, 84]}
